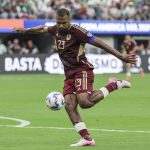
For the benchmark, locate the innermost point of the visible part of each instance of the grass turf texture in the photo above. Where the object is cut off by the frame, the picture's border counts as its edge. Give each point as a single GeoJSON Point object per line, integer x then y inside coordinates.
{"type": "Point", "coordinates": [23, 96]}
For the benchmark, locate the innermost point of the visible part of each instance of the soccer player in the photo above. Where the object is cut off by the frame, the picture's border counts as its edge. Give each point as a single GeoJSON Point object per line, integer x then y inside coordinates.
{"type": "Point", "coordinates": [130, 47]}
{"type": "Point", "coordinates": [78, 85]}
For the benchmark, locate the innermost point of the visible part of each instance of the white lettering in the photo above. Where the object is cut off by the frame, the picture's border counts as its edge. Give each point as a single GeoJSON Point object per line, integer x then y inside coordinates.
{"type": "Point", "coordinates": [102, 64]}
{"type": "Point", "coordinates": [53, 65]}
{"type": "Point", "coordinates": [144, 27]}
{"type": "Point", "coordinates": [8, 63]}
{"type": "Point", "coordinates": [111, 27]}
{"type": "Point", "coordinates": [114, 63]}
{"type": "Point", "coordinates": [106, 26]}
{"type": "Point", "coordinates": [22, 64]}
{"type": "Point", "coordinates": [30, 63]}
{"type": "Point", "coordinates": [131, 27]}
{"type": "Point", "coordinates": [105, 63]}
{"type": "Point", "coordinates": [16, 65]}
{"type": "Point", "coordinates": [37, 65]}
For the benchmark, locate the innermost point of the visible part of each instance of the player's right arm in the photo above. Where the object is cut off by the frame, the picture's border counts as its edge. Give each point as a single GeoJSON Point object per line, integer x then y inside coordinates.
{"type": "Point", "coordinates": [128, 58]}
{"type": "Point", "coordinates": [83, 36]}
{"type": "Point", "coordinates": [38, 29]}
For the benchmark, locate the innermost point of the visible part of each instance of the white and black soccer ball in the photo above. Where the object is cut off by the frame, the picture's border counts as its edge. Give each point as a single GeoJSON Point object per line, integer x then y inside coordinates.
{"type": "Point", "coordinates": [55, 101]}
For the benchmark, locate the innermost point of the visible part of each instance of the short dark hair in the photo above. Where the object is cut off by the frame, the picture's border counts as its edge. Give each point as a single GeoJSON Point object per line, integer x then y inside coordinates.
{"type": "Point", "coordinates": [63, 12]}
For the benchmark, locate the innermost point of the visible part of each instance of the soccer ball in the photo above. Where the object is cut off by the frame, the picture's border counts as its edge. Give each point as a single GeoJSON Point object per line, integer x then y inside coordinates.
{"type": "Point", "coordinates": [55, 101]}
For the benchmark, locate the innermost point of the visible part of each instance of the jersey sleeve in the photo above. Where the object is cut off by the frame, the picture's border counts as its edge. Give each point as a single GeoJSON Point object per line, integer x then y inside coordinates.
{"type": "Point", "coordinates": [52, 30]}
{"type": "Point", "coordinates": [82, 35]}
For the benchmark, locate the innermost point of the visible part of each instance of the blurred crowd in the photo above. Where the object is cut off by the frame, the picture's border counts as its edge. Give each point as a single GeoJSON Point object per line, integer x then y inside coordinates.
{"type": "Point", "coordinates": [130, 10]}
{"type": "Point", "coordinates": [80, 9]}
{"type": "Point", "coordinates": [16, 47]}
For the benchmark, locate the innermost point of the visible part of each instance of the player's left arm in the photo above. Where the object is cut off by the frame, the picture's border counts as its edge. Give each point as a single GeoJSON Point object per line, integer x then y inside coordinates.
{"type": "Point", "coordinates": [37, 29]}
{"type": "Point", "coordinates": [128, 58]}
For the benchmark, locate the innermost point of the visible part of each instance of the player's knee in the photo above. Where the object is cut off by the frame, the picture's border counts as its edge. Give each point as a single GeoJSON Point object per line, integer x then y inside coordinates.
{"type": "Point", "coordinates": [82, 105]}
{"type": "Point", "coordinates": [96, 96]}
{"type": "Point", "coordinates": [83, 101]}
{"type": "Point", "coordinates": [68, 104]}
{"type": "Point", "coordinates": [85, 104]}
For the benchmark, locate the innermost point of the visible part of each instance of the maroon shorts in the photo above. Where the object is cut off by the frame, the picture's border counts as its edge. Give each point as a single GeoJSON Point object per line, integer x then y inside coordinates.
{"type": "Point", "coordinates": [79, 82]}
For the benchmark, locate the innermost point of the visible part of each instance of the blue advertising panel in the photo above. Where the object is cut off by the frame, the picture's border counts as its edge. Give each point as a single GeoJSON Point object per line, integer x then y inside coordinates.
{"type": "Point", "coordinates": [34, 23]}
{"type": "Point", "coordinates": [6, 30]}
{"type": "Point", "coordinates": [94, 26]}
{"type": "Point", "coordinates": [102, 27]}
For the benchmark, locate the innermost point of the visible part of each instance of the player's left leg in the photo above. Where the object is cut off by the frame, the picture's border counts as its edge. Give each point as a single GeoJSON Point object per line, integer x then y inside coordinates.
{"type": "Point", "coordinates": [71, 109]}
{"type": "Point", "coordinates": [138, 65]}
{"type": "Point", "coordinates": [128, 72]}
{"type": "Point", "coordinates": [141, 71]}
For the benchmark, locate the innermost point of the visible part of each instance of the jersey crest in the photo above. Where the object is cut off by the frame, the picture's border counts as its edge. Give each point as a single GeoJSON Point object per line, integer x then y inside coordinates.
{"type": "Point", "coordinates": [68, 37]}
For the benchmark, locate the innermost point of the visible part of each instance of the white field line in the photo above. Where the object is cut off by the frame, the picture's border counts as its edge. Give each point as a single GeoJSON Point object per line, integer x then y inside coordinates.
{"type": "Point", "coordinates": [95, 129]}
{"type": "Point", "coordinates": [24, 124]}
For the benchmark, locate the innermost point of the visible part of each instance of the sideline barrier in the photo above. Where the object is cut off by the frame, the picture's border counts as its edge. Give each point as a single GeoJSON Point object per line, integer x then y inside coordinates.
{"type": "Point", "coordinates": [43, 63]}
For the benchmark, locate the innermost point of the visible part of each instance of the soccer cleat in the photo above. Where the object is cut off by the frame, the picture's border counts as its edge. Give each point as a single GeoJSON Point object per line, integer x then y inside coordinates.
{"type": "Point", "coordinates": [123, 84]}
{"type": "Point", "coordinates": [120, 83]}
{"type": "Point", "coordinates": [84, 142]}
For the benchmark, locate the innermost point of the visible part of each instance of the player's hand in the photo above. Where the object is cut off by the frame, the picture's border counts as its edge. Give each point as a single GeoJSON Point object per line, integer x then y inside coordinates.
{"type": "Point", "coordinates": [19, 30]}
{"type": "Point", "coordinates": [129, 58]}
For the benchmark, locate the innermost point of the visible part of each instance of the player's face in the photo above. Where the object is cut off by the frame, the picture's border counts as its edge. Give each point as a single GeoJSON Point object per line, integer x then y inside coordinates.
{"type": "Point", "coordinates": [63, 23]}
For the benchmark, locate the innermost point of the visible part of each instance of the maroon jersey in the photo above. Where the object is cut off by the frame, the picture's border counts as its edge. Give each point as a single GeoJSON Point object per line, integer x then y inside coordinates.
{"type": "Point", "coordinates": [129, 46]}
{"type": "Point", "coordinates": [71, 48]}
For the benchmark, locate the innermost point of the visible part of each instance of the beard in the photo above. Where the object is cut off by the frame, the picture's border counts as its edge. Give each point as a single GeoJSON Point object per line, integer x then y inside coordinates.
{"type": "Point", "coordinates": [62, 31]}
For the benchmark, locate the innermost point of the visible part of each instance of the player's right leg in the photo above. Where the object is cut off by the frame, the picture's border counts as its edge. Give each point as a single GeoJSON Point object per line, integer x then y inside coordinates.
{"type": "Point", "coordinates": [71, 108]}
{"type": "Point", "coordinates": [128, 72]}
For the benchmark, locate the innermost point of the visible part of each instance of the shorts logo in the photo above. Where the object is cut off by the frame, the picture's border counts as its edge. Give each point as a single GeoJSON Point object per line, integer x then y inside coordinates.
{"type": "Point", "coordinates": [77, 83]}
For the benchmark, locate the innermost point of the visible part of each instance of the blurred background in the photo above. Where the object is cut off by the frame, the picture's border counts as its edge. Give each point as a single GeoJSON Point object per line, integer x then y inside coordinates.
{"type": "Point", "coordinates": [110, 20]}
{"type": "Point", "coordinates": [29, 68]}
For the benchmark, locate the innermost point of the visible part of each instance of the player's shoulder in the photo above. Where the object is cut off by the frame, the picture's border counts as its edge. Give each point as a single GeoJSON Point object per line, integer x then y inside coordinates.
{"type": "Point", "coordinates": [52, 29]}
{"type": "Point", "coordinates": [78, 28]}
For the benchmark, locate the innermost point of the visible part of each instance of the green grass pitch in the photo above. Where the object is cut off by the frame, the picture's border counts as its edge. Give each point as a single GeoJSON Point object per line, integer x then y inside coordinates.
{"type": "Point", "coordinates": [123, 118]}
